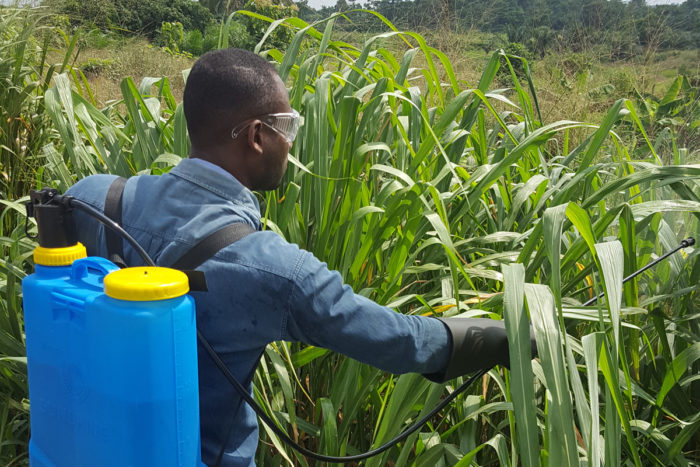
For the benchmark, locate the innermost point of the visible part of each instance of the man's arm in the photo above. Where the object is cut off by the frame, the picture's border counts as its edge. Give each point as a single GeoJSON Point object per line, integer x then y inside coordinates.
{"type": "Point", "coordinates": [323, 311]}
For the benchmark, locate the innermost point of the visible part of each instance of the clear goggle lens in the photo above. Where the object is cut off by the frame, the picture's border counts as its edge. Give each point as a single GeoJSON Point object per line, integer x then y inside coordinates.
{"type": "Point", "coordinates": [285, 124]}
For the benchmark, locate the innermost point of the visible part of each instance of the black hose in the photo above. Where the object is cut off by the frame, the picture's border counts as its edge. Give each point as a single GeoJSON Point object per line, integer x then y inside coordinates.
{"type": "Point", "coordinates": [107, 222]}
{"type": "Point", "coordinates": [321, 457]}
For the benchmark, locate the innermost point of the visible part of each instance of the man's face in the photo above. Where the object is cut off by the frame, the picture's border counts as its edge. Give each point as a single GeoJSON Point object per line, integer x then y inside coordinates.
{"type": "Point", "coordinates": [273, 162]}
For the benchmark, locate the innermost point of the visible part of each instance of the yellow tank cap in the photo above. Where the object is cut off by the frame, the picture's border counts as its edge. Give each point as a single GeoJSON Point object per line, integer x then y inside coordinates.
{"type": "Point", "coordinates": [59, 256]}
{"type": "Point", "coordinates": [146, 284]}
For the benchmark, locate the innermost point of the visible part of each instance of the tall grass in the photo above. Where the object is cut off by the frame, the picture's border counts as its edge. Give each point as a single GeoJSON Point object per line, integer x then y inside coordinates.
{"type": "Point", "coordinates": [420, 195]}
{"type": "Point", "coordinates": [25, 75]}
{"type": "Point", "coordinates": [439, 199]}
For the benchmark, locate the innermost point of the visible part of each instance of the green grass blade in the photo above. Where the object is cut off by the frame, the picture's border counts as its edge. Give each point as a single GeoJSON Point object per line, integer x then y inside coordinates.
{"type": "Point", "coordinates": [686, 435]}
{"type": "Point", "coordinates": [562, 442]}
{"type": "Point", "coordinates": [611, 257]}
{"type": "Point", "coordinates": [181, 140]}
{"type": "Point", "coordinates": [591, 350]}
{"type": "Point", "coordinates": [521, 388]}
{"type": "Point", "coordinates": [553, 220]}
{"type": "Point", "coordinates": [329, 437]}
{"type": "Point", "coordinates": [675, 371]}
{"type": "Point", "coordinates": [602, 133]}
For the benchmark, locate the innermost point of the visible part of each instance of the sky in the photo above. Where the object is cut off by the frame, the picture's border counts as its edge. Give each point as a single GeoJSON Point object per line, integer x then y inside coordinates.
{"type": "Point", "coordinates": [321, 3]}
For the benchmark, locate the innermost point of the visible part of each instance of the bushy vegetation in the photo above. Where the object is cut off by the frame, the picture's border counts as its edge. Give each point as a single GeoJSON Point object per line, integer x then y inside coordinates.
{"type": "Point", "coordinates": [436, 198]}
{"type": "Point", "coordinates": [134, 16]}
{"type": "Point", "coordinates": [619, 29]}
{"type": "Point", "coordinates": [181, 26]}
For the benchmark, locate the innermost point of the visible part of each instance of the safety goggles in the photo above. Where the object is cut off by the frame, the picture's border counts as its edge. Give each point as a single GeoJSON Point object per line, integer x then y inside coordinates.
{"type": "Point", "coordinates": [286, 124]}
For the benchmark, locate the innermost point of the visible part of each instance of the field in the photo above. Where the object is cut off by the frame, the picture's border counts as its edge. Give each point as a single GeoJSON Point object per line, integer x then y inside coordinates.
{"type": "Point", "coordinates": [439, 179]}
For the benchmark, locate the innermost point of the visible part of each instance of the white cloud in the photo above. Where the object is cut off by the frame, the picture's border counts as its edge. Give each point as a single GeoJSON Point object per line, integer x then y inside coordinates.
{"type": "Point", "coordinates": [317, 4]}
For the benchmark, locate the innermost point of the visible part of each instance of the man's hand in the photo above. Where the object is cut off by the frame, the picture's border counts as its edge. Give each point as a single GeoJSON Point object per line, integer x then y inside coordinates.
{"type": "Point", "coordinates": [477, 344]}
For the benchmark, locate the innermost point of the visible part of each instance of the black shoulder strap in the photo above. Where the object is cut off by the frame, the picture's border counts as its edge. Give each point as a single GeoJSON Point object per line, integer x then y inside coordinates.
{"type": "Point", "coordinates": [210, 245]}
{"type": "Point", "coordinates": [113, 210]}
{"type": "Point", "coordinates": [188, 262]}
{"type": "Point", "coordinates": [205, 249]}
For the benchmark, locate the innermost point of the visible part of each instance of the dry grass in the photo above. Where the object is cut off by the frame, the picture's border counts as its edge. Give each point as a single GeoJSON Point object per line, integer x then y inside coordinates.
{"type": "Point", "coordinates": [581, 87]}
{"type": "Point", "coordinates": [132, 57]}
{"type": "Point", "coordinates": [570, 86]}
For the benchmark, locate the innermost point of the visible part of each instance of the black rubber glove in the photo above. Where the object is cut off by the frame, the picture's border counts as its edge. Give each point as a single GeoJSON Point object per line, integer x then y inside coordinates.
{"type": "Point", "coordinates": [477, 344]}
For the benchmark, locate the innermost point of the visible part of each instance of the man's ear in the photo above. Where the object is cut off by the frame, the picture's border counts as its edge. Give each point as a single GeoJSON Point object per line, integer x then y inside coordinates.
{"type": "Point", "coordinates": [255, 136]}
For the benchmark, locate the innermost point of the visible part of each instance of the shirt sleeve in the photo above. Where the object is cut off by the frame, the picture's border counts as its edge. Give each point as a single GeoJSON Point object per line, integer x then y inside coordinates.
{"type": "Point", "coordinates": [327, 313]}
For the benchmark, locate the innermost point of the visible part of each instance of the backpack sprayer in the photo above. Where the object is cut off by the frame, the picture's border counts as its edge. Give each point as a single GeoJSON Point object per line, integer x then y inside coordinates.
{"type": "Point", "coordinates": [112, 354]}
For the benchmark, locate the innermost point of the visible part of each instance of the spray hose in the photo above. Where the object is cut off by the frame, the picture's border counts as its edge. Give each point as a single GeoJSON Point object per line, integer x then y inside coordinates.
{"type": "Point", "coordinates": [52, 197]}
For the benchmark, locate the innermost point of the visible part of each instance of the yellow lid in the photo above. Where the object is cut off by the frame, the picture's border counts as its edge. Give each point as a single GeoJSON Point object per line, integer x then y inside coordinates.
{"type": "Point", "coordinates": [146, 284]}
{"type": "Point", "coordinates": [59, 256]}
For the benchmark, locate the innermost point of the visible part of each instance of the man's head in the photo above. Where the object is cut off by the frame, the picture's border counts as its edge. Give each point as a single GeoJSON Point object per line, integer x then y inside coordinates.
{"type": "Point", "coordinates": [234, 89]}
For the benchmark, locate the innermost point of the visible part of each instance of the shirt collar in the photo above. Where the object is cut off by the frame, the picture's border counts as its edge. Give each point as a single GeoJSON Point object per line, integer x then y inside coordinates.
{"type": "Point", "coordinates": [212, 166]}
{"type": "Point", "coordinates": [215, 179]}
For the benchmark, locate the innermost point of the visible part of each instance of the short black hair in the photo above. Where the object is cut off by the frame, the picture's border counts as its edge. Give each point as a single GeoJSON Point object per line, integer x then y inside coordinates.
{"type": "Point", "coordinates": [225, 87]}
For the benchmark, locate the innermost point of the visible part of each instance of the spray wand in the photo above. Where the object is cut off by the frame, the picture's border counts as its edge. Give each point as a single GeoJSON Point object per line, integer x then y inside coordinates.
{"type": "Point", "coordinates": [690, 241]}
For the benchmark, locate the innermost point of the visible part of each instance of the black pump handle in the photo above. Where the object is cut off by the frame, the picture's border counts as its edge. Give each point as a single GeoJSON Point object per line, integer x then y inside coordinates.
{"type": "Point", "coordinates": [54, 220]}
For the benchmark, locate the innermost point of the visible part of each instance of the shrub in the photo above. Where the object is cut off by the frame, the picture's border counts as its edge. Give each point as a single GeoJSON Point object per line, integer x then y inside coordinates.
{"type": "Point", "coordinates": [95, 38]}
{"type": "Point", "coordinates": [515, 51]}
{"type": "Point", "coordinates": [211, 38]}
{"type": "Point", "coordinates": [237, 36]}
{"type": "Point", "coordinates": [136, 16]}
{"type": "Point", "coordinates": [171, 35]}
{"type": "Point", "coordinates": [256, 28]}
{"type": "Point", "coordinates": [193, 42]}
{"type": "Point", "coordinates": [574, 63]}
{"type": "Point", "coordinates": [146, 16]}
{"type": "Point", "coordinates": [97, 66]}
{"type": "Point", "coordinates": [623, 82]}
{"type": "Point", "coordinates": [99, 13]}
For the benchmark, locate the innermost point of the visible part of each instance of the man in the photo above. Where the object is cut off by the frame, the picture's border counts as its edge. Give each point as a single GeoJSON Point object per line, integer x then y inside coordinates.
{"type": "Point", "coordinates": [261, 288]}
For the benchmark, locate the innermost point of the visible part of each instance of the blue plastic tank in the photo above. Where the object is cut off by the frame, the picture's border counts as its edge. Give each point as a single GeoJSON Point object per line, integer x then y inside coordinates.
{"type": "Point", "coordinates": [112, 364]}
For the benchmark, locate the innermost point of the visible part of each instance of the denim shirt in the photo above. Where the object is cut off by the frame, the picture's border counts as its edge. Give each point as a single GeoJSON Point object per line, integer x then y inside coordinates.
{"type": "Point", "coordinates": [261, 289]}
